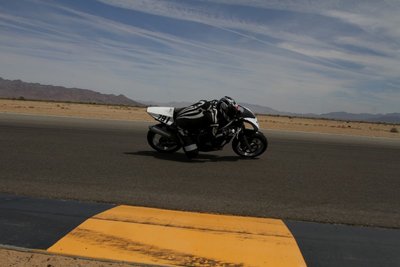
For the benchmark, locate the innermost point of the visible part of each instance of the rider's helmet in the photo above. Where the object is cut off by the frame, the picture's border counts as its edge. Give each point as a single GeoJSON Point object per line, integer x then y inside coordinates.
{"type": "Point", "coordinates": [228, 108]}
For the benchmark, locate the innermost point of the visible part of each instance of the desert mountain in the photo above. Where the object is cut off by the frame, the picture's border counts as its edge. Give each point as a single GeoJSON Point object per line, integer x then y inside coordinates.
{"type": "Point", "coordinates": [36, 91]}
{"type": "Point", "coordinates": [389, 117]}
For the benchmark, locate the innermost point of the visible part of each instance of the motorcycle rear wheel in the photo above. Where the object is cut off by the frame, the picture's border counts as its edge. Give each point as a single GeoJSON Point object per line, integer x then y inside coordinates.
{"type": "Point", "coordinates": [257, 145]}
{"type": "Point", "coordinates": [161, 143]}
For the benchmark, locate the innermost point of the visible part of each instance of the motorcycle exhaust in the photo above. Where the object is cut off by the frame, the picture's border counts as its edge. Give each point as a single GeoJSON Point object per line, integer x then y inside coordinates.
{"type": "Point", "coordinates": [160, 131]}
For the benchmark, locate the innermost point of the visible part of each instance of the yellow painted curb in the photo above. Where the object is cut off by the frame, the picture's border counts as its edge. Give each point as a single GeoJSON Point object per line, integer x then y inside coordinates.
{"type": "Point", "coordinates": [174, 238]}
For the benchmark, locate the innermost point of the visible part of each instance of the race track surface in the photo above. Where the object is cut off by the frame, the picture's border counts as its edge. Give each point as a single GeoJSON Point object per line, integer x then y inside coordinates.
{"type": "Point", "coordinates": [175, 238]}
{"type": "Point", "coordinates": [310, 177]}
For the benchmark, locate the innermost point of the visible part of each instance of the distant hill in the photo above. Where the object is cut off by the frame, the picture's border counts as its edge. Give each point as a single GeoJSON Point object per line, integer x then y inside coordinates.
{"type": "Point", "coordinates": [263, 110]}
{"type": "Point", "coordinates": [36, 91]}
{"type": "Point", "coordinates": [167, 104]}
{"type": "Point", "coordinates": [388, 118]}
{"type": "Point", "coordinates": [255, 108]}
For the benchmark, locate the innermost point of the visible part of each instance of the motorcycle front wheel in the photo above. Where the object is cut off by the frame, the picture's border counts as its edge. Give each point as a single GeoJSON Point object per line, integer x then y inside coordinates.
{"type": "Point", "coordinates": [161, 143]}
{"type": "Point", "coordinates": [252, 144]}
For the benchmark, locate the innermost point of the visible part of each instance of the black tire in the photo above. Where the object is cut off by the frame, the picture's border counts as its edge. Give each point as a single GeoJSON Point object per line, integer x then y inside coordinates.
{"type": "Point", "coordinates": [161, 143]}
{"type": "Point", "coordinates": [257, 141]}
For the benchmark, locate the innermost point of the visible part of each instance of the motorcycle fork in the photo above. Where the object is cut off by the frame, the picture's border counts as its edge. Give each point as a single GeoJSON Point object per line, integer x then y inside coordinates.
{"type": "Point", "coordinates": [246, 142]}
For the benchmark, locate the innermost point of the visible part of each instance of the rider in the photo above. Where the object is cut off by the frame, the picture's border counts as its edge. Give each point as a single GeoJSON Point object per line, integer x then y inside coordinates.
{"type": "Point", "coordinates": [204, 115]}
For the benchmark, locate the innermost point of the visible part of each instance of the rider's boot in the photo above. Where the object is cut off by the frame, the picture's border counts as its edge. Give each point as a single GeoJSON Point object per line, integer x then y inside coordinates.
{"type": "Point", "coordinates": [189, 146]}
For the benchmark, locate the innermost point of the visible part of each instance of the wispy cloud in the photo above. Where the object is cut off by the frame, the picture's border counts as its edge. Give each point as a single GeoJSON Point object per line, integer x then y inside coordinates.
{"type": "Point", "coordinates": [301, 56]}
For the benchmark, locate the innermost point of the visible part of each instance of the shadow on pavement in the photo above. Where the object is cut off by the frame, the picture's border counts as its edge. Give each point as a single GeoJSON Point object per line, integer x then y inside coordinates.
{"type": "Point", "coordinates": [181, 157]}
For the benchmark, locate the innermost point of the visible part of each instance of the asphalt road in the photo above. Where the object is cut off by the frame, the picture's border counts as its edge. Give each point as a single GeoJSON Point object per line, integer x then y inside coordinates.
{"type": "Point", "coordinates": [311, 177]}
{"type": "Point", "coordinates": [39, 223]}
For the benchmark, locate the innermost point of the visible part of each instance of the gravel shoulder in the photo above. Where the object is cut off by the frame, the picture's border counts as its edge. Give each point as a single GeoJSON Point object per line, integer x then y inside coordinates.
{"type": "Point", "coordinates": [16, 257]}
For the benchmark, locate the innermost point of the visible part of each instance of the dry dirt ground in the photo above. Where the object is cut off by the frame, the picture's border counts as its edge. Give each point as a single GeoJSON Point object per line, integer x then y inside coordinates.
{"type": "Point", "coordinates": [15, 258]}
{"type": "Point", "coordinates": [10, 257]}
{"type": "Point", "coordinates": [139, 114]}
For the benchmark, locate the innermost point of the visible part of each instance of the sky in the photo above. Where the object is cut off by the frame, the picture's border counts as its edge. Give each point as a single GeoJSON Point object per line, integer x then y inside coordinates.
{"type": "Point", "coordinates": [291, 55]}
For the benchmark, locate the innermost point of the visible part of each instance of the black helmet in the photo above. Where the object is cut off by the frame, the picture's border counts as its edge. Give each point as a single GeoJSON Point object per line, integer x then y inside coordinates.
{"type": "Point", "coordinates": [228, 108]}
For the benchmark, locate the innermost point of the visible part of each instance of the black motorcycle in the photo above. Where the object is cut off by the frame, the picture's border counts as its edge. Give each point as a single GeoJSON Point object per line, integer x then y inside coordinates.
{"type": "Point", "coordinates": [247, 140]}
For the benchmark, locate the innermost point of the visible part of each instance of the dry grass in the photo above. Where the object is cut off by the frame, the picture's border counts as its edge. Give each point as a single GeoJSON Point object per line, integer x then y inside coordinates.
{"type": "Point", "coordinates": [139, 114]}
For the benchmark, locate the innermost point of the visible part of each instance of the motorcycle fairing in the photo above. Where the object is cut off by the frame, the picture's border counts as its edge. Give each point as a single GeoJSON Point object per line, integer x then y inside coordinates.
{"type": "Point", "coordinates": [253, 122]}
{"type": "Point", "coordinates": [162, 114]}
{"type": "Point", "coordinates": [249, 116]}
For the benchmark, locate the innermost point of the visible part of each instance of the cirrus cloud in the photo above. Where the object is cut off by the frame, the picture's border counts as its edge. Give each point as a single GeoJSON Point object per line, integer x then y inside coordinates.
{"type": "Point", "coordinates": [299, 56]}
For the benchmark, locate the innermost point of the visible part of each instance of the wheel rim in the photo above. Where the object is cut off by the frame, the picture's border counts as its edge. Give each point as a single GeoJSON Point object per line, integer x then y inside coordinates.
{"type": "Point", "coordinates": [164, 143]}
{"type": "Point", "coordinates": [256, 147]}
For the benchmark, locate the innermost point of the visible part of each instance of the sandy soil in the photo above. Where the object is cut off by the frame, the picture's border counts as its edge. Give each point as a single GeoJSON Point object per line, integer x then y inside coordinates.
{"type": "Point", "coordinates": [74, 110]}
{"type": "Point", "coordinates": [14, 258]}
{"type": "Point", "coordinates": [139, 114]}
{"type": "Point", "coordinates": [330, 126]}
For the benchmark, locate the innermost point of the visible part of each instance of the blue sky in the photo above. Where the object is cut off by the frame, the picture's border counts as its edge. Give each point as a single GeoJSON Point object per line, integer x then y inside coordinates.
{"type": "Point", "coordinates": [291, 55]}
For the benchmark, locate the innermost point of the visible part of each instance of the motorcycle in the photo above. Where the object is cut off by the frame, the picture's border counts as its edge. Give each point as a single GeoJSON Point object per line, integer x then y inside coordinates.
{"type": "Point", "coordinates": [243, 132]}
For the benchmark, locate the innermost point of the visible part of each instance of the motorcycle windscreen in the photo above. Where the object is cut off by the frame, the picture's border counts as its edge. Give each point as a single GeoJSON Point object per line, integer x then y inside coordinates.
{"type": "Point", "coordinates": [246, 113]}
{"type": "Point", "coordinates": [249, 117]}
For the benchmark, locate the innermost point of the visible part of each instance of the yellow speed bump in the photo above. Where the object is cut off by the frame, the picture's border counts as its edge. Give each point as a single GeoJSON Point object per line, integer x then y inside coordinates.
{"type": "Point", "coordinates": [174, 238]}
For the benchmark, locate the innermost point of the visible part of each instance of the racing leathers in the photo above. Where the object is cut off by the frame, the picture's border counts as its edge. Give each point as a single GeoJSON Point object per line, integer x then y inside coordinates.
{"type": "Point", "coordinates": [201, 115]}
